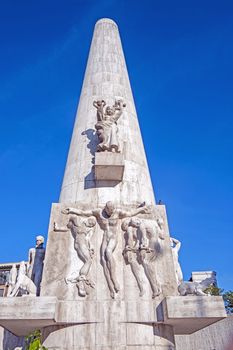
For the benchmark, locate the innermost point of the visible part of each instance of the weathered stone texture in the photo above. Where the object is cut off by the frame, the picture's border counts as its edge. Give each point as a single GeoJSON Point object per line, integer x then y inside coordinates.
{"type": "Point", "coordinates": [218, 336]}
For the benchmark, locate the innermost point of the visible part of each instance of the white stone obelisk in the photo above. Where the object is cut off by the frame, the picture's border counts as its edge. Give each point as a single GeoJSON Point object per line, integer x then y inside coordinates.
{"type": "Point", "coordinates": [111, 319]}
{"type": "Point", "coordinates": [106, 78]}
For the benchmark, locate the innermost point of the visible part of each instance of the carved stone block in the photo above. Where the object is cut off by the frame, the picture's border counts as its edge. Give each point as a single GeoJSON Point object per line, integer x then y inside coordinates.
{"type": "Point", "coordinates": [109, 166]}
{"type": "Point", "coordinates": [188, 314]}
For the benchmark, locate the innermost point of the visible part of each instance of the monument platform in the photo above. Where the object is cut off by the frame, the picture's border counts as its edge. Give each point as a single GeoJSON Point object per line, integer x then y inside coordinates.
{"type": "Point", "coordinates": [185, 314]}
{"type": "Point", "coordinates": [189, 314]}
{"type": "Point", "coordinates": [23, 315]}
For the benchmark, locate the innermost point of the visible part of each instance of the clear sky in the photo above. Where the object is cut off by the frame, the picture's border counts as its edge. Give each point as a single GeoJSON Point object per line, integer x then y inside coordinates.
{"type": "Point", "coordinates": [179, 56]}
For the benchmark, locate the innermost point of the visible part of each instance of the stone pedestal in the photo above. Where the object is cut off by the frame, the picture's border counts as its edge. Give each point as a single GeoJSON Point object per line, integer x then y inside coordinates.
{"type": "Point", "coordinates": [117, 324]}
{"type": "Point", "coordinates": [109, 166]}
{"type": "Point", "coordinates": [189, 314]}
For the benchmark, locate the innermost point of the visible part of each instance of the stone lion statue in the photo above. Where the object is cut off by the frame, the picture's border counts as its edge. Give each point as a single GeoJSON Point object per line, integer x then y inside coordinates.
{"type": "Point", "coordinates": [195, 288]}
{"type": "Point", "coordinates": [23, 282]}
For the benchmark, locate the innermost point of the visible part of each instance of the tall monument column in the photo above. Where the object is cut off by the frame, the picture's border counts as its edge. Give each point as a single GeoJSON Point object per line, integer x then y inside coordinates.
{"type": "Point", "coordinates": [124, 277]}
{"type": "Point", "coordinates": [106, 78]}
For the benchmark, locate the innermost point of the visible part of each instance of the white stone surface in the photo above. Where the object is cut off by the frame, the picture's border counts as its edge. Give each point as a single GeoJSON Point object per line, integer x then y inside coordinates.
{"type": "Point", "coordinates": [109, 166]}
{"type": "Point", "coordinates": [191, 313]}
{"type": "Point", "coordinates": [25, 314]}
{"type": "Point", "coordinates": [60, 265]}
{"type": "Point", "coordinates": [199, 276]}
{"type": "Point", "coordinates": [218, 336]}
{"type": "Point", "coordinates": [109, 318]}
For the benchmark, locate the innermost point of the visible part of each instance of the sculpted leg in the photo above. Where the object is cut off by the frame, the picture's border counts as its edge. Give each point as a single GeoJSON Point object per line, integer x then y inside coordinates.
{"type": "Point", "coordinates": [84, 254]}
{"type": "Point", "coordinates": [111, 262]}
{"type": "Point", "coordinates": [135, 270]}
{"type": "Point", "coordinates": [105, 268]}
{"type": "Point", "coordinates": [147, 259]}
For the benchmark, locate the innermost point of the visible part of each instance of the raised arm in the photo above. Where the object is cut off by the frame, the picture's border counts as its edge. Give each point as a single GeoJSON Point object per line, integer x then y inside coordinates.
{"type": "Point", "coordinates": [118, 109]}
{"type": "Point", "coordinates": [95, 104]}
{"type": "Point", "coordinates": [79, 212]}
{"type": "Point", "coordinates": [134, 212]}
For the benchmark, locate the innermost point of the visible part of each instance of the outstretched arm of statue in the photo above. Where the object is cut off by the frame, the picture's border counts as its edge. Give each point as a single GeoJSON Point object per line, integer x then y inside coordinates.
{"type": "Point", "coordinates": [134, 212]}
{"type": "Point", "coordinates": [79, 212]}
{"type": "Point", "coordinates": [118, 106]}
{"type": "Point", "coordinates": [59, 229]}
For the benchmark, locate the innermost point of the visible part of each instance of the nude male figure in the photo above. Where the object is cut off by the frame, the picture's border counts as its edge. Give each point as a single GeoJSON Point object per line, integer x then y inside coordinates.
{"type": "Point", "coordinates": [108, 219]}
{"type": "Point", "coordinates": [175, 245]}
{"type": "Point", "coordinates": [149, 234]}
{"type": "Point", "coordinates": [81, 231]}
{"type": "Point", "coordinates": [131, 250]}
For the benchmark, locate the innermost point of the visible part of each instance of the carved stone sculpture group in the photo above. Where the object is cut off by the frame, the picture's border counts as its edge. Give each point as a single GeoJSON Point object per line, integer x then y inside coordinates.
{"type": "Point", "coordinates": [142, 245]}
{"type": "Point", "coordinates": [81, 231]}
{"type": "Point", "coordinates": [106, 126]}
{"type": "Point", "coordinates": [21, 282]}
{"type": "Point", "coordinates": [27, 280]}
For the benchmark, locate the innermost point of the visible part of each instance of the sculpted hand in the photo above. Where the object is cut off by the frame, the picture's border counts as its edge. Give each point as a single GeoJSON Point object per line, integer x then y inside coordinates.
{"type": "Point", "coordinates": [147, 210]}
{"type": "Point", "coordinates": [66, 211]}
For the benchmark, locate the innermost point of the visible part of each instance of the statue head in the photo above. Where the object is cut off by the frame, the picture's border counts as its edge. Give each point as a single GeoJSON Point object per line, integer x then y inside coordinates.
{"type": "Point", "coordinates": [39, 240]}
{"type": "Point", "coordinates": [109, 208]}
{"type": "Point", "coordinates": [135, 222]}
{"type": "Point", "coordinates": [91, 221]}
{"type": "Point", "coordinates": [99, 103]}
{"type": "Point", "coordinates": [109, 110]}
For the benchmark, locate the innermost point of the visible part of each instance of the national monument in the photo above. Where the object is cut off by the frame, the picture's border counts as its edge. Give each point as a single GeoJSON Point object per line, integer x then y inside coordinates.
{"type": "Point", "coordinates": [111, 279]}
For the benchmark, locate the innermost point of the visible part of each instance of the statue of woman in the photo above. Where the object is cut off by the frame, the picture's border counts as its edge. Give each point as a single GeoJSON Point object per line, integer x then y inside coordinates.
{"type": "Point", "coordinates": [106, 126]}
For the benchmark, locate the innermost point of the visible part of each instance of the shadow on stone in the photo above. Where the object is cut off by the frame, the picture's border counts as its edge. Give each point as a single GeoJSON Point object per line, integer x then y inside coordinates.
{"type": "Point", "coordinates": [10, 341]}
{"type": "Point", "coordinates": [90, 182]}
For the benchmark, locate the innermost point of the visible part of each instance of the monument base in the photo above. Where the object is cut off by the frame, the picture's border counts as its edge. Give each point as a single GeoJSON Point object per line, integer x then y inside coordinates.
{"type": "Point", "coordinates": [189, 314]}
{"type": "Point", "coordinates": [23, 315]}
{"type": "Point", "coordinates": [109, 325]}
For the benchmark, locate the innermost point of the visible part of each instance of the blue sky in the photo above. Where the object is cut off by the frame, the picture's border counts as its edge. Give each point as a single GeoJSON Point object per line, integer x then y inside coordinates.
{"type": "Point", "coordinates": [179, 56]}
